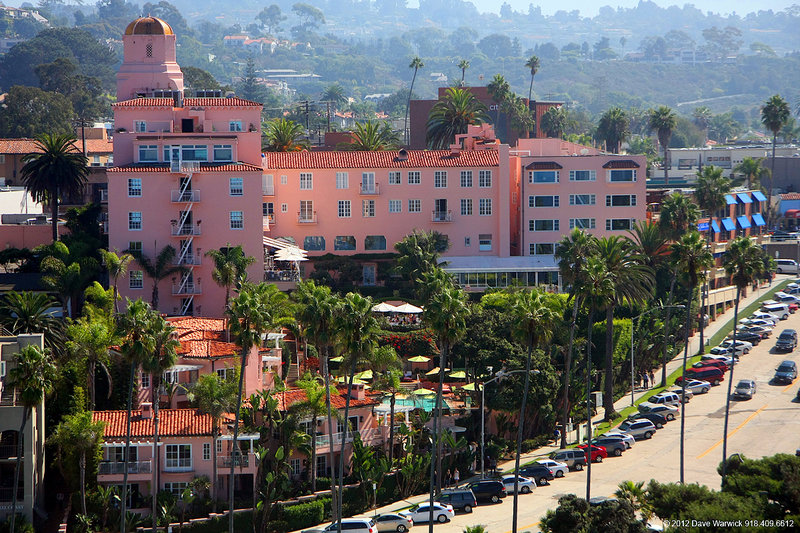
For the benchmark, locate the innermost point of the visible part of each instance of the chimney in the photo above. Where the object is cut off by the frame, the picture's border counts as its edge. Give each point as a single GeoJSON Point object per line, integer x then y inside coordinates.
{"type": "Point", "coordinates": [147, 410]}
{"type": "Point", "coordinates": [358, 392]}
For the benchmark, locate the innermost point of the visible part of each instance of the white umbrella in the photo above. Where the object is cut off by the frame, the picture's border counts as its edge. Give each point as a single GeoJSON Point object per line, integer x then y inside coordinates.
{"type": "Point", "coordinates": [291, 254]}
{"type": "Point", "coordinates": [383, 307]}
{"type": "Point", "coordinates": [408, 308]}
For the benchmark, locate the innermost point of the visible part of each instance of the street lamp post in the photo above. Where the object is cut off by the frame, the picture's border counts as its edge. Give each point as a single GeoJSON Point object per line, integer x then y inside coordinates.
{"type": "Point", "coordinates": [633, 322]}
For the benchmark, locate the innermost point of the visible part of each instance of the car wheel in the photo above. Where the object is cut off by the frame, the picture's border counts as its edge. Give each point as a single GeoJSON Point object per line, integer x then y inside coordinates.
{"type": "Point", "coordinates": [526, 490]}
{"type": "Point", "coordinates": [617, 452]}
{"type": "Point", "coordinates": [542, 481]}
{"type": "Point", "coordinates": [467, 508]}
{"type": "Point", "coordinates": [599, 459]}
{"type": "Point", "coordinates": [779, 271]}
{"type": "Point", "coordinates": [705, 390]}
{"type": "Point", "coordinates": [648, 434]}
{"type": "Point", "coordinates": [559, 473]}
{"type": "Point", "coordinates": [578, 467]}
{"type": "Point", "coordinates": [670, 417]}
{"type": "Point", "coordinates": [495, 499]}
{"type": "Point", "coordinates": [659, 426]}
{"type": "Point", "coordinates": [402, 529]}
{"type": "Point", "coordinates": [442, 518]}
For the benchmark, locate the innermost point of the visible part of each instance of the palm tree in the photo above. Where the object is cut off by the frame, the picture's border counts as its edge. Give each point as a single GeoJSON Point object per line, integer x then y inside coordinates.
{"type": "Point", "coordinates": [702, 116]}
{"type": "Point", "coordinates": [257, 310]}
{"type": "Point", "coordinates": [637, 496]}
{"type": "Point", "coordinates": [774, 115]}
{"type": "Point", "coordinates": [750, 168]}
{"type": "Point", "coordinates": [284, 135]}
{"type": "Point", "coordinates": [230, 267]}
{"type": "Point", "coordinates": [163, 357]}
{"type": "Point", "coordinates": [136, 346]}
{"type": "Point", "coordinates": [613, 128]}
{"type": "Point", "coordinates": [451, 116]}
{"type": "Point", "coordinates": [386, 367]}
{"type": "Point", "coordinates": [533, 64]}
{"type": "Point", "coordinates": [334, 94]}
{"type": "Point", "coordinates": [446, 314]}
{"type": "Point", "coordinates": [499, 89]}
{"type": "Point", "coordinates": [650, 242]}
{"type": "Point", "coordinates": [55, 171]}
{"type": "Point", "coordinates": [534, 314]}
{"type": "Point", "coordinates": [709, 193]}
{"type": "Point", "coordinates": [663, 121]}
{"type": "Point", "coordinates": [373, 136]}
{"type": "Point", "coordinates": [554, 122]}
{"type": "Point", "coordinates": [633, 282]}
{"type": "Point", "coordinates": [214, 396]}
{"type": "Point", "coordinates": [416, 64]}
{"type": "Point", "coordinates": [117, 266]}
{"type": "Point", "coordinates": [77, 435]}
{"type": "Point", "coordinates": [29, 312]}
{"type": "Point", "coordinates": [572, 253]}
{"type": "Point", "coordinates": [743, 263]}
{"type": "Point", "coordinates": [33, 375]}
{"type": "Point", "coordinates": [463, 65]}
{"type": "Point", "coordinates": [159, 269]}
{"type": "Point", "coordinates": [67, 272]}
{"type": "Point", "coordinates": [693, 259]}
{"type": "Point", "coordinates": [313, 406]}
{"type": "Point", "coordinates": [419, 253]}
{"type": "Point", "coordinates": [89, 340]}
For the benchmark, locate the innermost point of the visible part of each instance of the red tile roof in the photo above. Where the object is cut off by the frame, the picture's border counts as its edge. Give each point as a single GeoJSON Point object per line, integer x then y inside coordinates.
{"type": "Point", "coordinates": [171, 423]}
{"type": "Point", "coordinates": [387, 159]}
{"type": "Point", "coordinates": [188, 102]}
{"type": "Point", "coordinates": [790, 196]}
{"type": "Point", "coordinates": [26, 146]}
{"type": "Point", "coordinates": [621, 163]}
{"type": "Point", "coordinates": [292, 396]}
{"type": "Point", "coordinates": [204, 167]}
{"type": "Point", "coordinates": [203, 337]}
{"type": "Point", "coordinates": [145, 102]}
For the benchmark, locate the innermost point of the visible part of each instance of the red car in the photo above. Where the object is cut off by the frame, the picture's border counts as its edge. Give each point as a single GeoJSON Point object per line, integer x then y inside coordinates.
{"type": "Point", "coordinates": [722, 365]}
{"type": "Point", "coordinates": [706, 373]}
{"type": "Point", "coordinates": [598, 452]}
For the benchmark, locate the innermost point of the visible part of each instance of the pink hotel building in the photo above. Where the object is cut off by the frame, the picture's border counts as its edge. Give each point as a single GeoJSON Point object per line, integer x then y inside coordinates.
{"type": "Point", "coordinates": [190, 173]}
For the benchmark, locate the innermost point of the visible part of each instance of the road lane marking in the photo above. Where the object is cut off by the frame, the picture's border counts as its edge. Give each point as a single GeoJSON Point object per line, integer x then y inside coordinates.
{"type": "Point", "coordinates": [737, 428]}
{"type": "Point", "coordinates": [789, 386]}
{"type": "Point", "coordinates": [523, 528]}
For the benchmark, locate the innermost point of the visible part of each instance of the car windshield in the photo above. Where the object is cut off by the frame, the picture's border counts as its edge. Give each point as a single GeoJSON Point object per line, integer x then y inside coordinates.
{"type": "Point", "coordinates": [784, 368]}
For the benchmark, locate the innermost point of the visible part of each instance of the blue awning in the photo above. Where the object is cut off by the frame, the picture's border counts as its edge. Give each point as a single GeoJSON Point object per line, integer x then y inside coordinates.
{"type": "Point", "coordinates": [758, 220]}
{"type": "Point", "coordinates": [729, 199]}
{"type": "Point", "coordinates": [729, 224]}
{"type": "Point", "coordinates": [744, 198]}
{"type": "Point", "coordinates": [715, 226]}
{"type": "Point", "coordinates": [744, 222]}
{"type": "Point", "coordinates": [758, 195]}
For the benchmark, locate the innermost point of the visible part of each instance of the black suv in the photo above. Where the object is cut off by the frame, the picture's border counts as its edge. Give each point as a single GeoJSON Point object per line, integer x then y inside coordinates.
{"type": "Point", "coordinates": [787, 341]}
{"type": "Point", "coordinates": [460, 499]}
{"type": "Point", "coordinates": [540, 473]}
{"type": "Point", "coordinates": [486, 490]}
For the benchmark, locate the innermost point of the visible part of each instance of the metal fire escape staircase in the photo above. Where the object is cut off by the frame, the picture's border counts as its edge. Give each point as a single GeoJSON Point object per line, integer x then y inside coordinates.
{"type": "Point", "coordinates": [186, 229]}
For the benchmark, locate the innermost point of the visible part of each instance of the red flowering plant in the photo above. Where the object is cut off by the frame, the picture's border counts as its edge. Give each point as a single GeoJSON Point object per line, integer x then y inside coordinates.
{"type": "Point", "coordinates": [410, 344]}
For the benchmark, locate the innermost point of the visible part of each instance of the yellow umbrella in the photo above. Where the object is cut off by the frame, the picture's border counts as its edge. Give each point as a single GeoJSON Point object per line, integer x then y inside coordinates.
{"type": "Point", "coordinates": [458, 375]}
{"type": "Point", "coordinates": [337, 359]}
{"type": "Point", "coordinates": [419, 359]}
{"type": "Point", "coordinates": [366, 374]}
{"type": "Point", "coordinates": [424, 392]}
{"type": "Point", "coordinates": [471, 386]}
{"type": "Point", "coordinates": [432, 372]}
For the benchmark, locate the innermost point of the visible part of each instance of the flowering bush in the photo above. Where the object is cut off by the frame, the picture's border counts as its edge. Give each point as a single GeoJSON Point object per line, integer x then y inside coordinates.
{"type": "Point", "coordinates": [410, 344]}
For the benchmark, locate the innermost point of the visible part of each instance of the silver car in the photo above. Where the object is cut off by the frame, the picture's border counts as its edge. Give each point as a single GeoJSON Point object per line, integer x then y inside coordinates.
{"type": "Point", "coordinates": [698, 386]}
{"type": "Point", "coordinates": [638, 428]}
{"type": "Point", "coordinates": [393, 522]}
{"type": "Point", "coordinates": [745, 389]}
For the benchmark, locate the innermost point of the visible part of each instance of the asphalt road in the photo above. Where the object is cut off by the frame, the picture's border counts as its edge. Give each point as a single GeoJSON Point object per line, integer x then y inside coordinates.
{"type": "Point", "coordinates": [765, 425]}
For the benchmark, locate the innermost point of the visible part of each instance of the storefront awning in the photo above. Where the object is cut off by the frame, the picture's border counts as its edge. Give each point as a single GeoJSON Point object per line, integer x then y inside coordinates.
{"type": "Point", "coordinates": [744, 222]}
{"type": "Point", "coordinates": [729, 199]}
{"type": "Point", "coordinates": [758, 220]}
{"type": "Point", "coordinates": [758, 195]}
{"type": "Point", "coordinates": [715, 226]}
{"type": "Point", "coordinates": [744, 198]}
{"type": "Point", "coordinates": [728, 224]}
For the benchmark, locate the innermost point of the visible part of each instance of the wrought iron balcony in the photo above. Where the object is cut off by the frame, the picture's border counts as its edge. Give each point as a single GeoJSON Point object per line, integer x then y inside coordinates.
{"type": "Point", "coordinates": [186, 288]}
{"type": "Point", "coordinates": [442, 216]}
{"type": "Point", "coordinates": [191, 195]}
{"type": "Point", "coordinates": [118, 467]}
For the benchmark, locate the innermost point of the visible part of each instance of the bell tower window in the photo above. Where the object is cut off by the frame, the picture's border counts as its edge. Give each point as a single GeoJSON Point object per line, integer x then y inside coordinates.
{"type": "Point", "coordinates": [149, 49]}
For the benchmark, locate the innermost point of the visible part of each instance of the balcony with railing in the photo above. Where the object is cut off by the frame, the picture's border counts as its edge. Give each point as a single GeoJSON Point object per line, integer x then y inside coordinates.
{"type": "Point", "coordinates": [106, 468]}
{"type": "Point", "coordinates": [179, 465]}
{"type": "Point", "coordinates": [186, 229]}
{"type": "Point", "coordinates": [268, 190]}
{"type": "Point", "coordinates": [304, 217]}
{"type": "Point", "coordinates": [190, 195]}
{"type": "Point", "coordinates": [442, 216]}
{"type": "Point", "coordinates": [369, 189]}
{"type": "Point", "coordinates": [9, 451]}
{"type": "Point", "coordinates": [184, 167]}
{"type": "Point", "coordinates": [369, 436]}
{"type": "Point", "coordinates": [187, 260]}
{"type": "Point", "coordinates": [186, 288]}
{"type": "Point", "coordinates": [242, 461]}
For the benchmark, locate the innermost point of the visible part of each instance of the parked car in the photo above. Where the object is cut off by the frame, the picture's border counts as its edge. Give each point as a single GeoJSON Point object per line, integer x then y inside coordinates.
{"type": "Point", "coordinates": [574, 459]}
{"type": "Point", "coordinates": [626, 438]}
{"type": "Point", "coordinates": [741, 346]}
{"type": "Point", "coordinates": [459, 499]}
{"type": "Point", "coordinates": [698, 386]}
{"type": "Point", "coordinates": [707, 373]}
{"type": "Point", "coordinates": [793, 288]}
{"type": "Point", "coordinates": [664, 398]}
{"type": "Point", "coordinates": [786, 372]}
{"type": "Point", "coordinates": [748, 336]}
{"type": "Point", "coordinates": [669, 411]}
{"type": "Point", "coordinates": [787, 341]}
{"type": "Point", "coordinates": [781, 235]}
{"type": "Point", "coordinates": [421, 512]}
{"type": "Point", "coordinates": [540, 473]}
{"type": "Point", "coordinates": [658, 419]}
{"type": "Point", "coordinates": [488, 490]}
{"type": "Point", "coordinates": [526, 485]}
{"type": "Point", "coordinates": [790, 302]}
{"type": "Point", "coordinates": [638, 428]}
{"type": "Point", "coordinates": [764, 323]}
{"type": "Point", "coordinates": [557, 468]}
{"type": "Point", "coordinates": [597, 453]}
{"type": "Point", "coordinates": [686, 398]}
{"type": "Point", "coordinates": [393, 522]}
{"type": "Point", "coordinates": [763, 315]}
{"type": "Point", "coordinates": [746, 388]}
{"type": "Point", "coordinates": [779, 310]}
{"type": "Point", "coordinates": [721, 350]}
{"type": "Point", "coordinates": [716, 363]}
{"type": "Point", "coordinates": [786, 266]}
{"type": "Point", "coordinates": [761, 331]}
{"type": "Point", "coordinates": [727, 359]}
{"type": "Point", "coordinates": [351, 525]}
{"type": "Point", "coordinates": [613, 445]}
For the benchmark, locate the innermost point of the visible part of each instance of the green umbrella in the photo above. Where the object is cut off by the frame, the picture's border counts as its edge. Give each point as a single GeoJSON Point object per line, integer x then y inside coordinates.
{"type": "Point", "coordinates": [337, 359]}
{"type": "Point", "coordinates": [424, 392]}
{"type": "Point", "coordinates": [366, 374]}
{"type": "Point", "coordinates": [460, 374]}
{"type": "Point", "coordinates": [419, 359]}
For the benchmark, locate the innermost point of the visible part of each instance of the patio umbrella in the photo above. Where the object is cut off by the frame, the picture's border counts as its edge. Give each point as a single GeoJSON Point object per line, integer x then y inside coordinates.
{"type": "Point", "coordinates": [432, 372]}
{"type": "Point", "coordinates": [337, 359]}
{"type": "Point", "coordinates": [366, 374]}
{"type": "Point", "coordinates": [291, 254]}
{"type": "Point", "coordinates": [343, 379]}
{"type": "Point", "coordinates": [471, 386]}
{"type": "Point", "coordinates": [418, 359]}
{"type": "Point", "coordinates": [424, 392]}
{"type": "Point", "coordinates": [458, 375]}
{"type": "Point", "coordinates": [408, 308]}
{"type": "Point", "coordinates": [383, 307]}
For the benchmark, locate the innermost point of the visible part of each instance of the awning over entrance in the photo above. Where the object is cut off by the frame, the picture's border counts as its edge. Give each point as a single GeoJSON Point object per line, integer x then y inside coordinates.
{"type": "Point", "coordinates": [728, 224]}
{"type": "Point", "coordinates": [744, 222]}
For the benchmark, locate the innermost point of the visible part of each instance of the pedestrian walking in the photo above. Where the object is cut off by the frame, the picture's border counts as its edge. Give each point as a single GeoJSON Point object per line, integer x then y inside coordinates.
{"type": "Point", "coordinates": [652, 379]}
{"type": "Point", "coordinates": [447, 478]}
{"type": "Point", "coordinates": [645, 379]}
{"type": "Point", "coordinates": [456, 477]}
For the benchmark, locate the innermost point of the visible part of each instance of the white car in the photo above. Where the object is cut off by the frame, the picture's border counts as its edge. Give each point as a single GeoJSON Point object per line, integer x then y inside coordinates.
{"type": "Point", "coordinates": [762, 315]}
{"type": "Point", "coordinates": [356, 525]}
{"type": "Point", "coordinates": [698, 386]}
{"type": "Point", "coordinates": [742, 347]}
{"type": "Point", "coordinates": [757, 322]}
{"type": "Point", "coordinates": [784, 298]}
{"type": "Point", "coordinates": [729, 361]}
{"type": "Point", "coordinates": [627, 439]}
{"type": "Point", "coordinates": [721, 351]}
{"type": "Point", "coordinates": [668, 411]}
{"type": "Point", "coordinates": [421, 512]}
{"type": "Point", "coordinates": [526, 485]}
{"type": "Point", "coordinates": [556, 468]}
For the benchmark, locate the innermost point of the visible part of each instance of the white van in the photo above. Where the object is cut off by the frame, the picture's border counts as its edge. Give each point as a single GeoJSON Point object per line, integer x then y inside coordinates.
{"type": "Point", "coordinates": [779, 310]}
{"type": "Point", "coordinates": [786, 266]}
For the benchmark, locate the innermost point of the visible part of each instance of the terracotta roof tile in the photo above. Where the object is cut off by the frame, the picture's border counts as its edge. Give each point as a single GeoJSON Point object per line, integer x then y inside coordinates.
{"type": "Point", "coordinates": [26, 146]}
{"type": "Point", "coordinates": [621, 163]}
{"type": "Point", "coordinates": [145, 102]}
{"type": "Point", "coordinates": [172, 423]}
{"type": "Point", "coordinates": [202, 337]}
{"type": "Point", "coordinates": [188, 102]}
{"type": "Point", "coordinates": [387, 159]}
{"type": "Point", "coordinates": [543, 165]}
{"type": "Point", "coordinates": [204, 167]}
{"type": "Point", "coordinates": [292, 396]}
{"type": "Point", "coordinates": [790, 196]}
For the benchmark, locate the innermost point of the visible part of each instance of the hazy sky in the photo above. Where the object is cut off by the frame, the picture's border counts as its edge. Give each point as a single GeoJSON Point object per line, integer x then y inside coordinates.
{"type": "Point", "coordinates": [590, 7]}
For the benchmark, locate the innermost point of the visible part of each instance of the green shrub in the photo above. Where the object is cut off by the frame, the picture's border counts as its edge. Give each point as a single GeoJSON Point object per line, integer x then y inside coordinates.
{"type": "Point", "coordinates": [303, 515]}
{"type": "Point", "coordinates": [242, 521]}
{"type": "Point", "coordinates": [537, 442]}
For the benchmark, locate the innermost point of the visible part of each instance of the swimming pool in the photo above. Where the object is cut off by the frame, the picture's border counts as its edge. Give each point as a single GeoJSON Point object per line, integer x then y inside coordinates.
{"type": "Point", "coordinates": [428, 403]}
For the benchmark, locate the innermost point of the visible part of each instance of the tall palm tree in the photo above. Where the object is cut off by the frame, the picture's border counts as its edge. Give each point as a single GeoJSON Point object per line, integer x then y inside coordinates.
{"type": "Point", "coordinates": [633, 282]}
{"type": "Point", "coordinates": [451, 116]}
{"type": "Point", "coordinates": [750, 168]}
{"type": "Point", "coordinates": [334, 94]}
{"type": "Point", "coordinates": [284, 135]}
{"type": "Point", "coordinates": [29, 312]}
{"type": "Point", "coordinates": [774, 115]}
{"type": "Point", "coordinates": [67, 272]}
{"type": "Point", "coordinates": [257, 310]}
{"type": "Point", "coordinates": [572, 253]}
{"type": "Point", "coordinates": [117, 266]}
{"type": "Point", "coordinates": [358, 328]}
{"type": "Point", "coordinates": [709, 193]}
{"type": "Point", "coordinates": [137, 345]}
{"type": "Point", "coordinates": [214, 396]}
{"type": "Point", "coordinates": [446, 314]}
{"type": "Point", "coordinates": [373, 136]}
{"type": "Point", "coordinates": [743, 263]}
{"type": "Point", "coordinates": [663, 121]}
{"type": "Point", "coordinates": [693, 259]}
{"type": "Point", "coordinates": [386, 369]}
{"type": "Point", "coordinates": [702, 116]}
{"type": "Point", "coordinates": [534, 314]}
{"type": "Point", "coordinates": [230, 267]}
{"type": "Point", "coordinates": [650, 242]}
{"type": "Point", "coordinates": [90, 340]}
{"type": "Point", "coordinates": [33, 375]}
{"type": "Point", "coordinates": [533, 64]}
{"type": "Point", "coordinates": [554, 122]}
{"type": "Point", "coordinates": [55, 171]}
{"type": "Point", "coordinates": [463, 65]}
{"type": "Point", "coordinates": [637, 496]}
{"type": "Point", "coordinates": [160, 269]}
{"type": "Point", "coordinates": [313, 406]}
{"type": "Point", "coordinates": [419, 253]}
{"type": "Point", "coordinates": [416, 64]}
{"type": "Point", "coordinates": [162, 357]}
{"type": "Point", "coordinates": [613, 128]}
{"type": "Point", "coordinates": [499, 89]}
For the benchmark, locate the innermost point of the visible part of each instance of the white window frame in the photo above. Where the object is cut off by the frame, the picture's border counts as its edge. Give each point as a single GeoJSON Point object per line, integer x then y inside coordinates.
{"type": "Point", "coordinates": [344, 209]}
{"type": "Point", "coordinates": [631, 200]}
{"type": "Point", "coordinates": [555, 199]}
{"type": "Point", "coordinates": [140, 126]}
{"type": "Point", "coordinates": [612, 171]}
{"type": "Point", "coordinates": [414, 177]}
{"type": "Point", "coordinates": [284, 179]}
{"type": "Point", "coordinates": [466, 206]}
{"type": "Point", "coordinates": [573, 223]}
{"type": "Point", "coordinates": [145, 380]}
{"type": "Point", "coordinates": [440, 179]}
{"type": "Point", "coordinates": [143, 149]}
{"type": "Point", "coordinates": [133, 223]}
{"type": "Point", "coordinates": [368, 208]}
{"type": "Point", "coordinates": [466, 178]}
{"type": "Point", "coordinates": [555, 224]}
{"type": "Point", "coordinates": [306, 181]}
{"type": "Point", "coordinates": [591, 176]}
{"type": "Point", "coordinates": [284, 208]}
{"type": "Point", "coordinates": [532, 249]}
{"type": "Point", "coordinates": [136, 279]}
{"type": "Point", "coordinates": [610, 222]}
{"type": "Point", "coordinates": [236, 219]}
{"type": "Point", "coordinates": [395, 206]}
{"type": "Point", "coordinates": [236, 186]}
{"type": "Point", "coordinates": [485, 179]}
{"type": "Point", "coordinates": [134, 187]}
{"type": "Point", "coordinates": [395, 177]}
{"type": "Point", "coordinates": [178, 463]}
{"type": "Point", "coordinates": [342, 180]}
{"type": "Point", "coordinates": [221, 147]}
{"type": "Point", "coordinates": [235, 125]}
{"type": "Point", "coordinates": [485, 207]}
{"type": "Point", "coordinates": [414, 205]}
{"type": "Point", "coordinates": [206, 451]}
{"type": "Point", "coordinates": [532, 174]}
{"type": "Point", "coordinates": [574, 197]}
